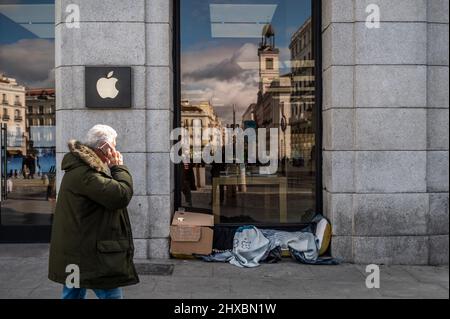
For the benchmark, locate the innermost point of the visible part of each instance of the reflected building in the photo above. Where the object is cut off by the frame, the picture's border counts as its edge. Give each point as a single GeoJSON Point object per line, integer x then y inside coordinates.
{"type": "Point", "coordinates": [201, 115]}
{"type": "Point", "coordinates": [40, 120]}
{"type": "Point", "coordinates": [286, 101]}
{"type": "Point", "coordinates": [303, 93]}
{"type": "Point", "coordinates": [272, 109]}
{"type": "Point", "coordinates": [12, 97]}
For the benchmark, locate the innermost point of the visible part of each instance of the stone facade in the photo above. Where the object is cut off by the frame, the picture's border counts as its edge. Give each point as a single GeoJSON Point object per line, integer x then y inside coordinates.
{"type": "Point", "coordinates": [385, 116]}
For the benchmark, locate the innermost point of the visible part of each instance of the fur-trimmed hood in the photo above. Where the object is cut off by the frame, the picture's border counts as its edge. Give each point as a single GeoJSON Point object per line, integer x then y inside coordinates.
{"type": "Point", "coordinates": [86, 155]}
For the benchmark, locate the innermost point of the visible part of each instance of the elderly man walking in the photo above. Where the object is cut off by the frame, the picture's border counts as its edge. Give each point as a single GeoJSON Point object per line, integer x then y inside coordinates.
{"type": "Point", "coordinates": [91, 228]}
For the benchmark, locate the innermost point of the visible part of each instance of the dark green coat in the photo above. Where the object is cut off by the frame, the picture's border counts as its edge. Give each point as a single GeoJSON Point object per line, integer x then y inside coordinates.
{"type": "Point", "coordinates": [91, 227]}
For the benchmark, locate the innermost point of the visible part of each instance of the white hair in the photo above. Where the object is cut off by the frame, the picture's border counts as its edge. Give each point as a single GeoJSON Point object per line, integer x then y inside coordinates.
{"type": "Point", "coordinates": [99, 134]}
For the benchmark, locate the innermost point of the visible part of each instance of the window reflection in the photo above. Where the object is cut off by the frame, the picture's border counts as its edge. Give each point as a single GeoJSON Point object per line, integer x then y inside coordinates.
{"type": "Point", "coordinates": [249, 64]}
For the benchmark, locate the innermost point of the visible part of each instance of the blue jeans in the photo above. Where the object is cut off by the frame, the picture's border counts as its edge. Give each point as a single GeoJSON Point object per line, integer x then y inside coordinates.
{"type": "Point", "coordinates": [80, 293]}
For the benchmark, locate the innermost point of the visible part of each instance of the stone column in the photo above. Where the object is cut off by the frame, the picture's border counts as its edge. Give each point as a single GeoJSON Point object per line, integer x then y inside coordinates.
{"type": "Point", "coordinates": [438, 130]}
{"type": "Point", "coordinates": [160, 110]}
{"type": "Point", "coordinates": [385, 181]}
{"type": "Point", "coordinates": [134, 33]}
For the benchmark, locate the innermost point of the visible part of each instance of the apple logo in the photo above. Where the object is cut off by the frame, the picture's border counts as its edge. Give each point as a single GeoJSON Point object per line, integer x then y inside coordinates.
{"type": "Point", "coordinates": [106, 87]}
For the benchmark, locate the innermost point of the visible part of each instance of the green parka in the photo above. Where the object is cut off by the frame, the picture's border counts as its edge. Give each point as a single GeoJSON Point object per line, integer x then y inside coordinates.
{"type": "Point", "coordinates": [91, 226]}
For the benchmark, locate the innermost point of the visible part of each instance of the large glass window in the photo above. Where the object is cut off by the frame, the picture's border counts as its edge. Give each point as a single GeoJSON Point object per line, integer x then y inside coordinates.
{"type": "Point", "coordinates": [248, 65]}
{"type": "Point", "coordinates": [27, 87]}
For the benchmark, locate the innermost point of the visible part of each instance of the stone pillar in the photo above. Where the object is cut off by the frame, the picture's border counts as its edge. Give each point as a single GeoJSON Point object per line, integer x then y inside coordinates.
{"type": "Point", "coordinates": [134, 33]}
{"type": "Point", "coordinates": [385, 115]}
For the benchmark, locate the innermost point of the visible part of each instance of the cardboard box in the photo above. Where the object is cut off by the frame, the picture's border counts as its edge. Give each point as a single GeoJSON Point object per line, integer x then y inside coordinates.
{"type": "Point", "coordinates": [190, 233]}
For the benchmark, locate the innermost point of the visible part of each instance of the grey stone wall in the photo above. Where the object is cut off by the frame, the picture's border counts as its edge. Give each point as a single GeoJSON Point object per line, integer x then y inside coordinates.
{"type": "Point", "coordinates": [135, 33]}
{"type": "Point", "coordinates": [386, 130]}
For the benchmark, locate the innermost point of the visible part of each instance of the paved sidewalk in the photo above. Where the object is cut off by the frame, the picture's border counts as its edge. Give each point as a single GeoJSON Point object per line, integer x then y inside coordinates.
{"type": "Point", "coordinates": [23, 274]}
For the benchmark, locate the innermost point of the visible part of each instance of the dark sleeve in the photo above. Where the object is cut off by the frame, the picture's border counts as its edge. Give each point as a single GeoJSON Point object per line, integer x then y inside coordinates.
{"type": "Point", "coordinates": [112, 193]}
